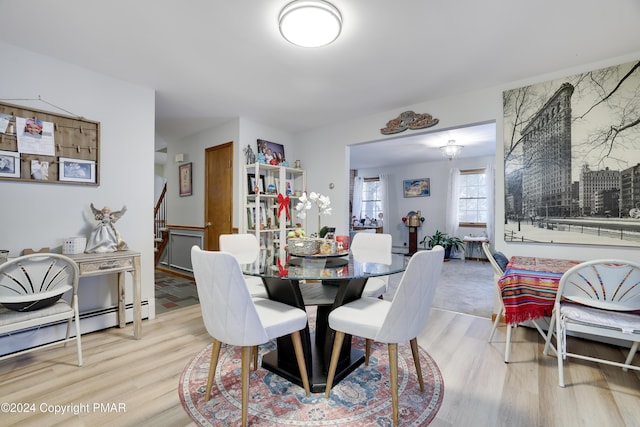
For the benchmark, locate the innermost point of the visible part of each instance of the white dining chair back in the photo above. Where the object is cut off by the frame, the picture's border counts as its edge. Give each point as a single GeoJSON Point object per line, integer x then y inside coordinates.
{"type": "Point", "coordinates": [411, 306]}
{"type": "Point", "coordinates": [226, 309]}
{"type": "Point", "coordinates": [391, 322]}
{"type": "Point", "coordinates": [597, 298]}
{"type": "Point", "coordinates": [244, 246]}
{"type": "Point", "coordinates": [33, 286]}
{"type": "Point", "coordinates": [246, 249]}
{"type": "Point", "coordinates": [375, 248]}
{"type": "Point", "coordinates": [233, 317]}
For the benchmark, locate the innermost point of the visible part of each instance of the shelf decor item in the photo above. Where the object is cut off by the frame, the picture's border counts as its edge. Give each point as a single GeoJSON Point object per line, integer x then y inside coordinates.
{"type": "Point", "coordinates": [305, 202]}
{"type": "Point", "coordinates": [283, 203]}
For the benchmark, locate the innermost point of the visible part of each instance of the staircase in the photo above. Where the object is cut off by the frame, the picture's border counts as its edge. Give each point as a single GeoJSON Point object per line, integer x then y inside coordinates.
{"type": "Point", "coordinates": [160, 226]}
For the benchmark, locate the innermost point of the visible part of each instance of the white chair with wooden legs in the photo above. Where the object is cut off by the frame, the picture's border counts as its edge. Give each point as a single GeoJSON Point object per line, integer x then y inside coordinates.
{"type": "Point", "coordinates": [391, 322]}
{"type": "Point", "coordinates": [31, 290]}
{"type": "Point", "coordinates": [231, 316]}
{"type": "Point", "coordinates": [373, 247]}
{"type": "Point", "coordinates": [245, 248]}
{"type": "Point", "coordinates": [597, 298]}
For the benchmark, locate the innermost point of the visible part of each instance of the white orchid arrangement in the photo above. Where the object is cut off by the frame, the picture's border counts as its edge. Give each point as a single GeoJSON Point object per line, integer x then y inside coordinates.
{"type": "Point", "coordinates": [305, 202]}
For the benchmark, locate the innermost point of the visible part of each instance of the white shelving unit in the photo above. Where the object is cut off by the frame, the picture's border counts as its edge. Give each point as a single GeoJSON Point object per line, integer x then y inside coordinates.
{"type": "Point", "coordinates": [261, 208]}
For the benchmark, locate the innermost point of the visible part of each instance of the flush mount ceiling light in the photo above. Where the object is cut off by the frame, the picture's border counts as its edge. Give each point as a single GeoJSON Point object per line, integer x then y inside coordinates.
{"type": "Point", "coordinates": [310, 23]}
{"type": "Point", "coordinates": [451, 149]}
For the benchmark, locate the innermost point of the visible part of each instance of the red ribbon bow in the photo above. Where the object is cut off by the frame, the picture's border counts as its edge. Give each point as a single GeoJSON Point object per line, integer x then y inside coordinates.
{"type": "Point", "coordinates": [283, 203]}
{"type": "Point", "coordinates": [282, 272]}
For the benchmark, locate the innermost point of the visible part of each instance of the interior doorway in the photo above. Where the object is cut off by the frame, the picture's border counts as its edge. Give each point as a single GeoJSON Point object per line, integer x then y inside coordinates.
{"type": "Point", "coordinates": [218, 196]}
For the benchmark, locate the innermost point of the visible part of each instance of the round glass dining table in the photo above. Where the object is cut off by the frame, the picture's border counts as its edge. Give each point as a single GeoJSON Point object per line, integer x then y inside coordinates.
{"type": "Point", "coordinates": [326, 282]}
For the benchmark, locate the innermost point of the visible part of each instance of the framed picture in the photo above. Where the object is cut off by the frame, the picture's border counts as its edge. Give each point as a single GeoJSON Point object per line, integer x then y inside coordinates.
{"type": "Point", "coordinates": [39, 170]}
{"type": "Point", "coordinates": [184, 172]}
{"type": "Point", "coordinates": [254, 183]}
{"type": "Point", "coordinates": [571, 155]}
{"type": "Point", "coordinates": [251, 218]}
{"type": "Point", "coordinates": [76, 170]}
{"type": "Point", "coordinates": [262, 214]}
{"type": "Point", "coordinates": [416, 187]}
{"type": "Point", "coordinates": [10, 164]}
{"type": "Point", "coordinates": [273, 153]}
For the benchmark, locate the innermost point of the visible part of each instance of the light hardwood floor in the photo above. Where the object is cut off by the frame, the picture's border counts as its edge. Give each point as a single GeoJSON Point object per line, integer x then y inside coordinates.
{"type": "Point", "coordinates": [480, 390]}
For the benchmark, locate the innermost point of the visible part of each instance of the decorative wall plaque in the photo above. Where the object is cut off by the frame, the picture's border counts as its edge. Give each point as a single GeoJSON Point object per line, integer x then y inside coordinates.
{"type": "Point", "coordinates": [409, 120]}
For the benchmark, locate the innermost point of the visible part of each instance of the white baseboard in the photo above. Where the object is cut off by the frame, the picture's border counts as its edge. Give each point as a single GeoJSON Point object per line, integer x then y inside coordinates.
{"type": "Point", "coordinates": [90, 321]}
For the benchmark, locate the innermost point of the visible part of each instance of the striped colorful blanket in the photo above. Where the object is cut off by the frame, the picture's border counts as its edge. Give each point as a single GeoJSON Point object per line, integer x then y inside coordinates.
{"type": "Point", "coordinates": [529, 286]}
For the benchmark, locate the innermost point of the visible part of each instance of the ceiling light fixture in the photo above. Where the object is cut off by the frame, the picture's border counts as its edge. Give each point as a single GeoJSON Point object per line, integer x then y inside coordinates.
{"type": "Point", "coordinates": [451, 149]}
{"type": "Point", "coordinates": [310, 23]}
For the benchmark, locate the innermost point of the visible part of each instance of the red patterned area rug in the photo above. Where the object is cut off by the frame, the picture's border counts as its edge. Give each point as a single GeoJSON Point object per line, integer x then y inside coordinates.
{"type": "Point", "coordinates": [363, 398]}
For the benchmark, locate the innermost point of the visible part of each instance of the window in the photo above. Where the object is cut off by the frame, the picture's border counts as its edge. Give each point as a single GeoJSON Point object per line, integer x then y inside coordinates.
{"type": "Point", "coordinates": [473, 206]}
{"type": "Point", "coordinates": [371, 206]}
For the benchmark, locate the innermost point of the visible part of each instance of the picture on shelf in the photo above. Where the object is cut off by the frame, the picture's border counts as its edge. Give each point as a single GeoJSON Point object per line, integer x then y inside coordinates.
{"type": "Point", "coordinates": [260, 219]}
{"type": "Point", "coordinates": [255, 184]}
{"type": "Point", "coordinates": [270, 152]}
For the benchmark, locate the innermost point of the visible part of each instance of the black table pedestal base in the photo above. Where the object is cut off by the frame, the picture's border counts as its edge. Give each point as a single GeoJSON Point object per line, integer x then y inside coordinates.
{"type": "Point", "coordinates": [317, 352]}
{"type": "Point", "coordinates": [318, 375]}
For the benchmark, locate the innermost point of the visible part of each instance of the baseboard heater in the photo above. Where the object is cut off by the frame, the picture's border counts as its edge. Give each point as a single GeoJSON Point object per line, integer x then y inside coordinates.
{"type": "Point", "coordinates": [90, 321]}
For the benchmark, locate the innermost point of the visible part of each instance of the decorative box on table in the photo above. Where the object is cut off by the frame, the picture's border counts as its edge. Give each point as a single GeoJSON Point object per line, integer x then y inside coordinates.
{"type": "Point", "coordinates": [304, 246]}
{"type": "Point", "coordinates": [308, 246]}
{"type": "Point", "coordinates": [74, 245]}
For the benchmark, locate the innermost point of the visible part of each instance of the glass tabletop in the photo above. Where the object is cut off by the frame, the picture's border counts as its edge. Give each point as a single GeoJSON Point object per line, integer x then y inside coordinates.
{"type": "Point", "coordinates": [286, 266]}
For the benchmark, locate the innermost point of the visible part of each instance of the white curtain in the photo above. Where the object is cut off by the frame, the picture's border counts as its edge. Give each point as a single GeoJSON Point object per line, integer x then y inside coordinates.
{"type": "Point", "coordinates": [384, 199]}
{"type": "Point", "coordinates": [357, 197]}
{"type": "Point", "coordinates": [452, 223]}
{"type": "Point", "coordinates": [491, 221]}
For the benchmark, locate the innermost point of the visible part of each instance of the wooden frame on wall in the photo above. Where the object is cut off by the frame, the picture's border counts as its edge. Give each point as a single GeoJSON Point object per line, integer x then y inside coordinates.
{"type": "Point", "coordinates": [185, 179]}
{"type": "Point", "coordinates": [40, 155]}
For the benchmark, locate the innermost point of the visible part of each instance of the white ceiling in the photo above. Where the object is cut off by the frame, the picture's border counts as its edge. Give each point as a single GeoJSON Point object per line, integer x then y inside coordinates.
{"type": "Point", "coordinates": [213, 60]}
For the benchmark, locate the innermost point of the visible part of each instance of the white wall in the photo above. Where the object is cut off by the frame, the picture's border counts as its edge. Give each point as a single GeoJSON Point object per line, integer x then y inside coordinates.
{"type": "Point", "coordinates": [432, 208]}
{"type": "Point", "coordinates": [331, 142]}
{"type": "Point", "coordinates": [35, 215]}
{"type": "Point", "coordinates": [189, 210]}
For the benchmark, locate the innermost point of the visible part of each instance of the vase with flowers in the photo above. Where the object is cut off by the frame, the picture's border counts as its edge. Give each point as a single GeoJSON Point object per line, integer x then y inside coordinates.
{"type": "Point", "coordinates": [323, 203]}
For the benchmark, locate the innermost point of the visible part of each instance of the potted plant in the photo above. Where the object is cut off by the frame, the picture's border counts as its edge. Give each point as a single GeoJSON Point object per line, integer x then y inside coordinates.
{"type": "Point", "coordinates": [449, 243]}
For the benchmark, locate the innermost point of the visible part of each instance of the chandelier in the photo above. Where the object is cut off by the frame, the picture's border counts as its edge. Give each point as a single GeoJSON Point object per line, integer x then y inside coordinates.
{"type": "Point", "coordinates": [451, 149]}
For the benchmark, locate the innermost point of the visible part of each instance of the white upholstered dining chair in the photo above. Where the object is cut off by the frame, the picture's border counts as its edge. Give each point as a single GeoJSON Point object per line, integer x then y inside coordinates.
{"type": "Point", "coordinates": [233, 317]}
{"type": "Point", "coordinates": [597, 298]}
{"type": "Point", "coordinates": [373, 247]}
{"type": "Point", "coordinates": [245, 248]}
{"type": "Point", "coordinates": [31, 290]}
{"type": "Point", "coordinates": [391, 322]}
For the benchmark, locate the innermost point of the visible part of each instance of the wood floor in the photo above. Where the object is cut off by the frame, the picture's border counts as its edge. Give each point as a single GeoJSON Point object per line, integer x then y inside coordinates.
{"type": "Point", "coordinates": [137, 381]}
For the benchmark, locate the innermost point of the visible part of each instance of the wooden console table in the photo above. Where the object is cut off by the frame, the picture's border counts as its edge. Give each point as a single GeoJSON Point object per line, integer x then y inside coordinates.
{"type": "Point", "coordinates": [117, 262]}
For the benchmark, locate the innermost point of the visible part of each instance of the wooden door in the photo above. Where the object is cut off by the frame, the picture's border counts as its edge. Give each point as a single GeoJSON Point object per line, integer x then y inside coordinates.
{"type": "Point", "coordinates": [218, 199]}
